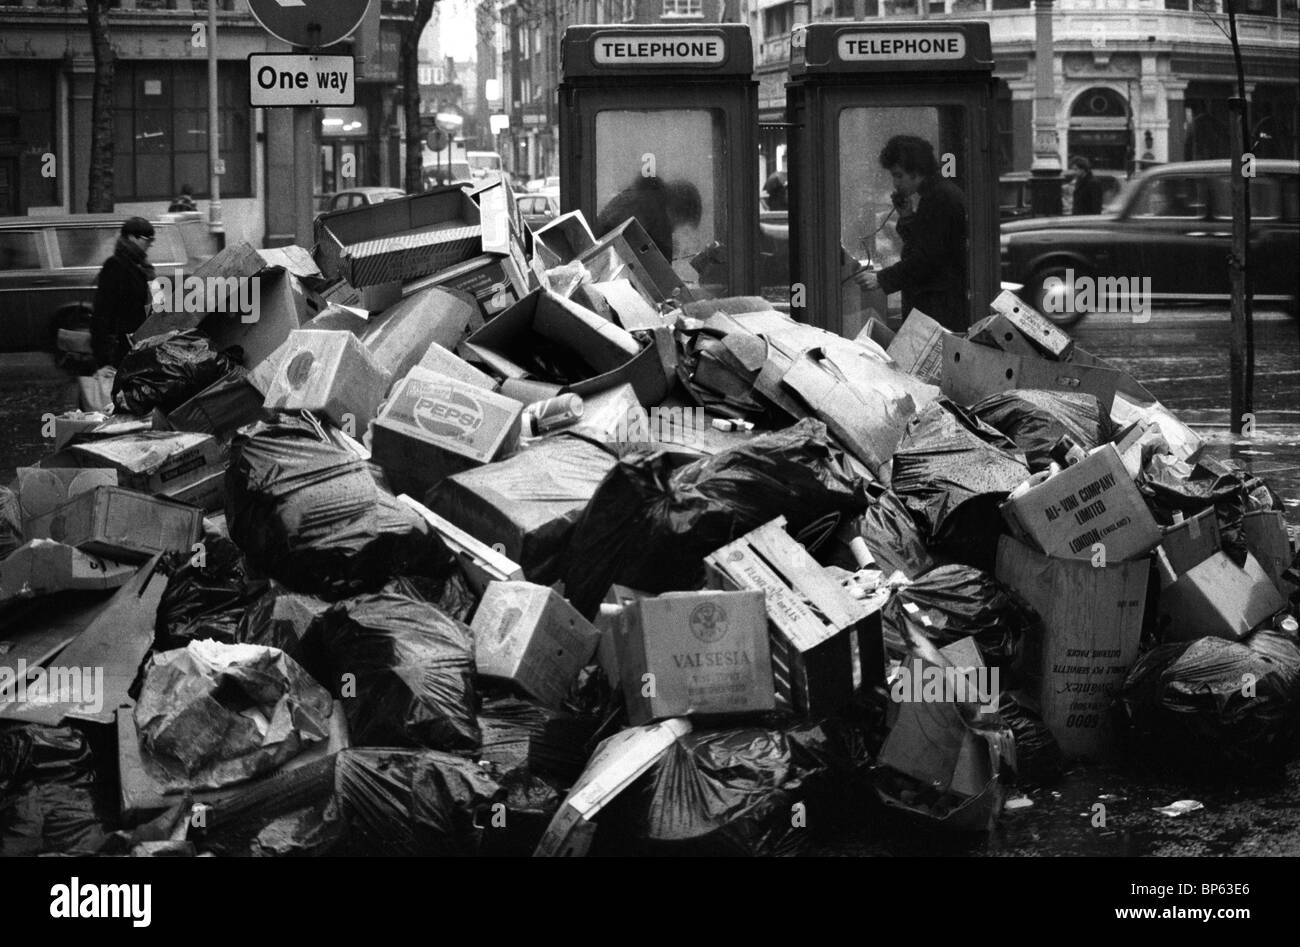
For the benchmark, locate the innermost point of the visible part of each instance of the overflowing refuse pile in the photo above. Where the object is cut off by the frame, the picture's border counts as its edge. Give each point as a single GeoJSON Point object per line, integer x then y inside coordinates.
{"type": "Point", "coordinates": [476, 540]}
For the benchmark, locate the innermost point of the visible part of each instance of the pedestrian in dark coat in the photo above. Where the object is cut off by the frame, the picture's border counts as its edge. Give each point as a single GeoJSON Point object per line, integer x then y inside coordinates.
{"type": "Point", "coordinates": [660, 207]}
{"type": "Point", "coordinates": [931, 273]}
{"type": "Point", "coordinates": [1087, 189]}
{"type": "Point", "coordinates": [122, 296]}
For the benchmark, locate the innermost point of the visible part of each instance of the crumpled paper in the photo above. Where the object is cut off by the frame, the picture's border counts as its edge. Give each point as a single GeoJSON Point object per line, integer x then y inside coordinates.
{"type": "Point", "coordinates": [212, 714]}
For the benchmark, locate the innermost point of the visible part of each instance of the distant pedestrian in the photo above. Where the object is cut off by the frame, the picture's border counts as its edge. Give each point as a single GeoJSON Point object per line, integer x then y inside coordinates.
{"type": "Point", "coordinates": [183, 203]}
{"type": "Point", "coordinates": [775, 189]}
{"type": "Point", "coordinates": [1087, 189]}
{"type": "Point", "coordinates": [122, 295]}
{"type": "Point", "coordinates": [659, 207]}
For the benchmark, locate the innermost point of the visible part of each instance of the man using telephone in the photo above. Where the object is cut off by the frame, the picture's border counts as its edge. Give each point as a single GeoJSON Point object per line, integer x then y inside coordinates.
{"type": "Point", "coordinates": [931, 273]}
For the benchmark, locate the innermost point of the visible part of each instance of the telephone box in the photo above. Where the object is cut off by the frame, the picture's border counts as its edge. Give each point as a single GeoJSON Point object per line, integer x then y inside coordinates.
{"type": "Point", "coordinates": [660, 122]}
{"type": "Point", "coordinates": [853, 87]}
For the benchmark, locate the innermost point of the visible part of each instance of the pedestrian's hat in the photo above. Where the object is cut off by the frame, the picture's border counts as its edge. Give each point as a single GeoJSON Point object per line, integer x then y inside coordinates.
{"type": "Point", "coordinates": [137, 227]}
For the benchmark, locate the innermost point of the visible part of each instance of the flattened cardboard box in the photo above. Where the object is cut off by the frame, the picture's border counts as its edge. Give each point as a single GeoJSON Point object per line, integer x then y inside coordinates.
{"type": "Point", "coordinates": [434, 426]}
{"type": "Point", "coordinates": [126, 526]}
{"type": "Point", "coordinates": [1092, 627]}
{"type": "Point", "coordinates": [1216, 598]}
{"type": "Point", "coordinates": [42, 567]}
{"type": "Point", "coordinates": [1091, 502]}
{"type": "Point", "coordinates": [917, 347]}
{"type": "Point", "coordinates": [972, 372]}
{"type": "Point", "coordinates": [615, 765]}
{"type": "Point", "coordinates": [495, 282]}
{"type": "Point", "coordinates": [155, 462]}
{"type": "Point", "coordinates": [330, 373]}
{"type": "Point", "coordinates": [528, 634]}
{"type": "Point", "coordinates": [708, 653]}
{"type": "Point", "coordinates": [1032, 325]}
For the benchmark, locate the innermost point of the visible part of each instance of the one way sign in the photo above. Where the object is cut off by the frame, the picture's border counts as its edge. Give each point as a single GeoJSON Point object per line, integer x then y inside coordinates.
{"type": "Point", "coordinates": [287, 79]}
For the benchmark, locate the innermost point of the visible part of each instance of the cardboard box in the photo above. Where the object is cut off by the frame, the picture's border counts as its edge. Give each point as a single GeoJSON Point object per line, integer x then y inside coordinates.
{"type": "Point", "coordinates": [972, 372]}
{"type": "Point", "coordinates": [157, 462]}
{"type": "Point", "coordinates": [398, 338]}
{"type": "Point", "coordinates": [1133, 442]}
{"type": "Point", "coordinates": [208, 494]}
{"type": "Point", "coordinates": [124, 525]}
{"type": "Point", "coordinates": [615, 765]}
{"type": "Point", "coordinates": [875, 330]}
{"type": "Point", "coordinates": [1191, 541]}
{"type": "Point", "coordinates": [612, 415]}
{"type": "Point", "coordinates": [282, 308]}
{"type": "Point", "coordinates": [525, 506]}
{"type": "Point", "coordinates": [1032, 325]}
{"type": "Point", "coordinates": [445, 362]}
{"type": "Point", "coordinates": [1000, 332]}
{"type": "Point", "coordinates": [563, 239]}
{"type": "Point", "coordinates": [42, 490]}
{"type": "Point", "coordinates": [528, 391]}
{"type": "Point", "coordinates": [1267, 539]}
{"type": "Point", "coordinates": [401, 239]}
{"type": "Point", "coordinates": [1091, 502]}
{"type": "Point", "coordinates": [375, 298]}
{"type": "Point", "coordinates": [529, 635]}
{"type": "Point", "coordinates": [69, 425]}
{"type": "Point", "coordinates": [42, 567]}
{"type": "Point", "coordinates": [627, 252]}
{"type": "Point", "coordinates": [434, 426]}
{"type": "Point", "coordinates": [1215, 598]}
{"type": "Point", "coordinates": [608, 354]}
{"type": "Point", "coordinates": [481, 563]}
{"type": "Point", "coordinates": [1092, 627]}
{"type": "Point", "coordinates": [332, 374]}
{"type": "Point", "coordinates": [708, 653]}
{"type": "Point", "coordinates": [495, 282]}
{"type": "Point", "coordinates": [222, 408]}
{"type": "Point", "coordinates": [917, 347]}
{"type": "Point", "coordinates": [825, 643]}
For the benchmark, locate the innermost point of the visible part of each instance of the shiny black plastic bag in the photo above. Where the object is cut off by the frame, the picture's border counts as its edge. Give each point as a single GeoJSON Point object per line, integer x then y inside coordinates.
{"type": "Point", "coordinates": [1193, 706]}
{"type": "Point", "coordinates": [649, 526]}
{"type": "Point", "coordinates": [1038, 755]}
{"type": "Point", "coordinates": [11, 523]}
{"type": "Point", "coordinates": [1035, 420]}
{"type": "Point", "coordinates": [956, 601]}
{"type": "Point", "coordinates": [205, 600]}
{"type": "Point", "coordinates": [279, 618]}
{"type": "Point", "coordinates": [49, 800]}
{"type": "Point", "coordinates": [167, 370]}
{"type": "Point", "coordinates": [952, 472]}
{"type": "Point", "coordinates": [309, 514]}
{"type": "Point", "coordinates": [395, 802]}
{"type": "Point", "coordinates": [404, 670]}
{"type": "Point", "coordinates": [892, 536]}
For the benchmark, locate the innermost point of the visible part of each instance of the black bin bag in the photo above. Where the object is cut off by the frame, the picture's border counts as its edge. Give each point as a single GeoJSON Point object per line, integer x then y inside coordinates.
{"type": "Point", "coordinates": [1035, 420]}
{"type": "Point", "coordinates": [403, 669]}
{"type": "Point", "coordinates": [650, 525]}
{"type": "Point", "coordinates": [1190, 705]}
{"type": "Point", "coordinates": [167, 370]}
{"type": "Point", "coordinates": [308, 513]}
{"type": "Point", "coordinates": [952, 472]}
{"type": "Point", "coordinates": [206, 596]}
{"type": "Point", "coordinates": [892, 536]}
{"type": "Point", "coordinates": [50, 801]}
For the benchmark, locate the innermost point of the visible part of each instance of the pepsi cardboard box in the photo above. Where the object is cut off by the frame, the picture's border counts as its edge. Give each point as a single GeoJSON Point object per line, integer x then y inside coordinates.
{"type": "Point", "coordinates": [687, 653]}
{"type": "Point", "coordinates": [433, 426]}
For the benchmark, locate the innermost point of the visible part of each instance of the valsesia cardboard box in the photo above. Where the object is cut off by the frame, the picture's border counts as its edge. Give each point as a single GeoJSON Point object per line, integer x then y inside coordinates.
{"type": "Point", "coordinates": [434, 426]}
{"type": "Point", "coordinates": [1091, 628]}
{"type": "Point", "coordinates": [1092, 502]}
{"type": "Point", "coordinates": [124, 525]}
{"type": "Point", "coordinates": [332, 374]}
{"type": "Point", "coordinates": [696, 653]}
{"type": "Point", "coordinates": [528, 634]}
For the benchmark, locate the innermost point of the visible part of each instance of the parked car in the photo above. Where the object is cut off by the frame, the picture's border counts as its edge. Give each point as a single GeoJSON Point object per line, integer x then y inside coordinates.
{"type": "Point", "coordinates": [360, 196]}
{"type": "Point", "coordinates": [538, 209]}
{"type": "Point", "coordinates": [543, 184]}
{"type": "Point", "coordinates": [1015, 197]}
{"type": "Point", "coordinates": [48, 267]}
{"type": "Point", "coordinates": [1173, 224]}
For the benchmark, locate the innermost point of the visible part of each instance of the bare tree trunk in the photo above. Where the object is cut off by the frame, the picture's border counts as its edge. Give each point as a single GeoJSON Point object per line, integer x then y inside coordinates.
{"type": "Point", "coordinates": [101, 124]}
{"type": "Point", "coordinates": [410, 73]}
{"type": "Point", "coordinates": [1241, 350]}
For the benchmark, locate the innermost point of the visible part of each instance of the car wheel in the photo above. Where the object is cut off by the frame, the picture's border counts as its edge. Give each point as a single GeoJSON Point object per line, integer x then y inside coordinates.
{"type": "Point", "coordinates": [1040, 295]}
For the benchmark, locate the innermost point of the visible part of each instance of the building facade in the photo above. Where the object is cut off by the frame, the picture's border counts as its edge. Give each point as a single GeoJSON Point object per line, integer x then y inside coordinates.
{"type": "Point", "coordinates": [1136, 81]}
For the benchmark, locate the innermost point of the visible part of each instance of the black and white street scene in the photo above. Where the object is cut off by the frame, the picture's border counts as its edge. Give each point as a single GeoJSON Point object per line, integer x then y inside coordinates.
{"type": "Point", "coordinates": [544, 428]}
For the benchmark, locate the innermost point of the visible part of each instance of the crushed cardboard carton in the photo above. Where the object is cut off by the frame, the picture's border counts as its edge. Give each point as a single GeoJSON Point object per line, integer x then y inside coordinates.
{"type": "Point", "coordinates": [1191, 540]}
{"type": "Point", "coordinates": [917, 347]}
{"type": "Point", "coordinates": [42, 490]}
{"type": "Point", "coordinates": [43, 567]}
{"type": "Point", "coordinates": [1266, 538]}
{"type": "Point", "coordinates": [445, 362]}
{"type": "Point", "coordinates": [124, 525]}
{"type": "Point", "coordinates": [972, 372]}
{"type": "Point", "coordinates": [400, 336]}
{"type": "Point", "coordinates": [157, 462]}
{"type": "Point", "coordinates": [330, 373]}
{"type": "Point", "coordinates": [1215, 598]}
{"type": "Point", "coordinates": [1033, 325]}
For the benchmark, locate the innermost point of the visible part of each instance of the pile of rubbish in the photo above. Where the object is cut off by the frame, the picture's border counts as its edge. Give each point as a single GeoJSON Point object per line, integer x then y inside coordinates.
{"type": "Point", "coordinates": [467, 539]}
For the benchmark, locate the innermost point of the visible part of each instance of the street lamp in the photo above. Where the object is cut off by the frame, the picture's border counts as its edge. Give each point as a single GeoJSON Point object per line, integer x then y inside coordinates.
{"type": "Point", "coordinates": [1045, 185]}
